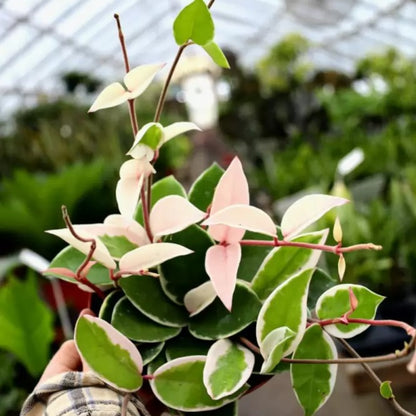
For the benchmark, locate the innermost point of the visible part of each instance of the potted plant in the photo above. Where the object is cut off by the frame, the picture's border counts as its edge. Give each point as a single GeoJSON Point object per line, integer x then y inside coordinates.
{"type": "Point", "coordinates": [203, 296]}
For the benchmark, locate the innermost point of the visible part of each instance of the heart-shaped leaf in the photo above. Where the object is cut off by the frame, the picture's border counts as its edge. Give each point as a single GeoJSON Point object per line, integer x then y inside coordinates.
{"type": "Point", "coordinates": [132, 323]}
{"type": "Point", "coordinates": [112, 356]}
{"type": "Point", "coordinates": [107, 307]}
{"type": "Point", "coordinates": [314, 383]}
{"type": "Point", "coordinates": [283, 262]}
{"type": "Point", "coordinates": [179, 385]}
{"type": "Point", "coordinates": [194, 22]}
{"type": "Point", "coordinates": [227, 368]}
{"type": "Point", "coordinates": [216, 321]}
{"type": "Point", "coordinates": [285, 307]}
{"type": "Point", "coordinates": [335, 302]}
{"type": "Point", "coordinates": [306, 211]}
{"type": "Point", "coordinates": [202, 190]}
{"type": "Point", "coordinates": [145, 293]}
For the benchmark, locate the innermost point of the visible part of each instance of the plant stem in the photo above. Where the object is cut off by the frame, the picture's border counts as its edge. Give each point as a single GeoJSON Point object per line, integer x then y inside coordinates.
{"type": "Point", "coordinates": [79, 273]}
{"type": "Point", "coordinates": [345, 320]}
{"type": "Point", "coordinates": [375, 378]}
{"type": "Point", "coordinates": [323, 247]}
{"type": "Point", "coordinates": [125, 404]}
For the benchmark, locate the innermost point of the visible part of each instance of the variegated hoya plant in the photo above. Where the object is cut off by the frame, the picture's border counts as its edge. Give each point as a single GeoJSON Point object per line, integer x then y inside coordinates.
{"type": "Point", "coordinates": [203, 294]}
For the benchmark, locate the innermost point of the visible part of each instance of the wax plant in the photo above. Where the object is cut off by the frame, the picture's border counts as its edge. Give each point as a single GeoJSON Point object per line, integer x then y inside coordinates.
{"type": "Point", "coordinates": [204, 296]}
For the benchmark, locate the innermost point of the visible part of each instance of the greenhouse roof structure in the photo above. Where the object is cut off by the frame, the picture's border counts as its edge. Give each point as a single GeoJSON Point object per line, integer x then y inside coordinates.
{"type": "Point", "coordinates": [42, 39]}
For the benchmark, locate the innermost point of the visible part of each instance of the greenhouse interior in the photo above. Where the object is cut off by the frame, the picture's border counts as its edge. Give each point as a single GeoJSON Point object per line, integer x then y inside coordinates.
{"type": "Point", "coordinates": [316, 98]}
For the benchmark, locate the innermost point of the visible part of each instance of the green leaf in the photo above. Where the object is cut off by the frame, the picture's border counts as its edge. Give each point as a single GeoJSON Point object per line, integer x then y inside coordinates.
{"type": "Point", "coordinates": [178, 276]}
{"type": "Point", "coordinates": [285, 307]}
{"type": "Point", "coordinates": [313, 383]}
{"type": "Point", "coordinates": [145, 293]}
{"type": "Point", "coordinates": [166, 186]}
{"type": "Point", "coordinates": [321, 281]}
{"type": "Point", "coordinates": [132, 323]}
{"type": "Point", "coordinates": [283, 262]}
{"type": "Point", "coordinates": [216, 321]}
{"type": "Point", "coordinates": [216, 54]}
{"type": "Point", "coordinates": [227, 368]}
{"type": "Point", "coordinates": [150, 351]}
{"type": "Point", "coordinates": [107, 307]}
{"type": "Point", "coordinates": [194, 22]}
{"type": "Point", "coordinates": [274, 346]}
{"type": "Point", "coordinates": [108, 353]}
{"type": "Point", "coordinates": [185, 344]}
{"type": "Point", "coordinates": [117, 245]}
{"type": "Point", "coordinates": [26, 324]}
{"type": "Point", "coordinates": [152, 137]}
{"type": "Point", "coordinates": [156, 363]}
{"type": "Point", "coordinates": [252, 257]}
{"type": "Point", "coordinates": [179, 385]}
{"type": "Point", "coordinates": [71, 259]}
{"type": "Point", "coordinates": [202, 190]}
{"type": "Point", "coordinates": [386, 390]}
{"type": "Point", "coordinates": [335, 302]}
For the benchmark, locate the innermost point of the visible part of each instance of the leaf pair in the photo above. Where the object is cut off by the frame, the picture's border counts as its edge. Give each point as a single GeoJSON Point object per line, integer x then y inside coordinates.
{"type": "Point", "coordinates": [195, 23]}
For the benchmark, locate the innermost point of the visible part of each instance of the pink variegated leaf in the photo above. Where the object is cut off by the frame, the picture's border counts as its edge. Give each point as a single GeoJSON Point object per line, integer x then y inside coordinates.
{"type": "Point", "coordinates": [132, 174]}
{"type": "Point", "coordinates": [243, 216]}
{"type": "Point", "coordinates": [60, 271]}
{"type": "Point", "coordinates": [306, 211]}
{"type": "Point", "coordinates": [173, 213]}
{"type": "Point", "coordinates": [221, 265]}
{"type": "Point", "coordinates": [232, 189]}
{"type": "Point", "coordinates": [111, 96]}
{"type": "Point", "coordinates": [138, 79]}
{"type": "Point", "coordinates": [148, 139]}
{"type": "Point", "coordinates": [101, 253]}
{"type": "Point", "coordinates": [176, 129]}
{"type": "Point", "coordinates": [150, 255]}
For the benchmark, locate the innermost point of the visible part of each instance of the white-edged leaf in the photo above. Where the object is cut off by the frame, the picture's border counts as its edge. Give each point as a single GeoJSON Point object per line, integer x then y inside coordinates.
{"type": "Point", "coordinates": [179, 385]}
{"type": "Point", "coordinates": [221, 265]}
{"type": "Point", "coordinates": [130, 228]}
{"type": "Point", "coordinates": [175, 129]}
{"type": "Point", "coordinates": [274, 346]}
{"type": "Point", "coordinates": [148, 139]}
{"type": "Point", "coordinates": [110, 96]}
{"type": "Point", "coordinates": [139, 78]}
{"type": "Point", "coordinates": [306, 211]}
{"type": "Point", "coordinates": [336, 302]}
{"type": "Point", "coordinates": [314, 383]}
{"type": "Point", "coordinates": [150, 255]}
{"type": "Point", "coordinates": [173, 213]}
{"type": "Point", "coordinates": [227, 368]}
{"type": "Point", "coordinates": [286, 307]}
{"type": "Point", "coordinates": [197, 299]}
{"type": "Point", "coordinates": [109, 354]}
{"type": "Point", "coordinates": [245, 217]}
{"type": "Point", "coordinates": [101, 253]}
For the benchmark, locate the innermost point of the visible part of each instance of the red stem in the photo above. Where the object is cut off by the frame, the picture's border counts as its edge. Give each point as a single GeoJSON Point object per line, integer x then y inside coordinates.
{"type": "Point", "coordinates": [331, 249]}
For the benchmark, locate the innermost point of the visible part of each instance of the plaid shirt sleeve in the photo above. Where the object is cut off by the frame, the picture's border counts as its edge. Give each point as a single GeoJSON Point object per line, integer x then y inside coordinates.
{"type": "Point", "coordinates": [80, 394]}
